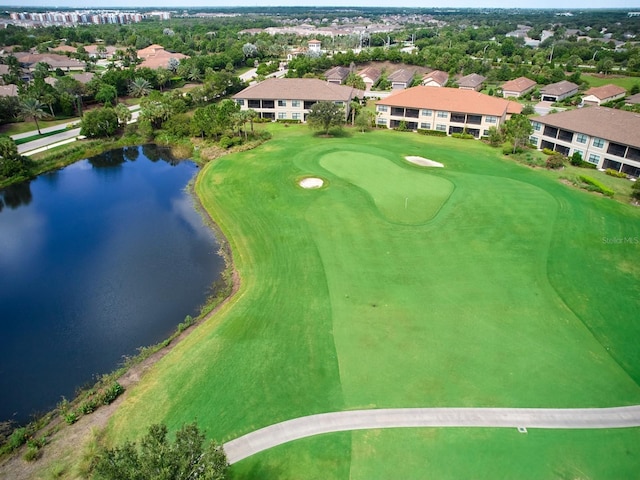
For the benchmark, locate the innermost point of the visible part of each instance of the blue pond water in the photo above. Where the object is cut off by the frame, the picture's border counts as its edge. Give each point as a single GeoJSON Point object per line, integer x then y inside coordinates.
{"type": "Point", "coordinates": [96, 260]}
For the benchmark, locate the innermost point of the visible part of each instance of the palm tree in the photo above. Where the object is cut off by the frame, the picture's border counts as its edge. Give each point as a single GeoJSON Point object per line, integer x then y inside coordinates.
{"type": "Point", "coordinates": [32, 108]}
{"type": "Point", "coordinates": [194, 74]}
{"type": "Point", "coordinates": [139, 87]}
{"type": "Point", "coordinates": [162, 77]}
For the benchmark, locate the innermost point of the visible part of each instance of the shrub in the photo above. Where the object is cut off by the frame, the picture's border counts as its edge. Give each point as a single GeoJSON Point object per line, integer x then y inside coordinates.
{"type": "Point", "coordinates": [111, 393]}
{"type": "Point", "coordinates": [89, 406]}
{"type": "Point", "coordinates": [576, 159]}
{"type": "Point", "coordinates": [596, 186]}
{"type": "Point", "coordinates": [635, 190]}
{"type": "Point", "coordinates": [432, 133]}
{"type": "Point", "coordinates": [226, 142]}
{"type": "Point", "coordinates": [288, 120]}
{"type": "Point", "coordinates": [17, 438]}
{"type": "Point", "coordinates": [71, 417]}
{"type": "Point", "coordinates": [555, 161]}
{"type": "Point", "coordinates": [615, 173]}
{"type": "Point", "coordinates": [528, 110]}
{"type": "Point", "coordinates": [507, 148]}
{"type": "Point", "coordinates": [465, 136]}
{"type": "Point", "coordinates": [548, 151]}
{"type": "Point", "coordinates": [402, 127]}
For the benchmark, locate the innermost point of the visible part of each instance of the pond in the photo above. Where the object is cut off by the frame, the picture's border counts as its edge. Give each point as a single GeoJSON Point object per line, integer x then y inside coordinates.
{"type": "Point", "coordinates": [96, 260]}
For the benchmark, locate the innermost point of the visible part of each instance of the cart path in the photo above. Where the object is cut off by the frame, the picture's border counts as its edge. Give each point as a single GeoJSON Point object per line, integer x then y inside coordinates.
{"type": "Point", "coordinates": [566, 418]}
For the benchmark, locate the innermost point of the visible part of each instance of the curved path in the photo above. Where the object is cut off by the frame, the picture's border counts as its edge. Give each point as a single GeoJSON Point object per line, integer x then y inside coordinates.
{"type": "Point", "coordinates": [572, 418]}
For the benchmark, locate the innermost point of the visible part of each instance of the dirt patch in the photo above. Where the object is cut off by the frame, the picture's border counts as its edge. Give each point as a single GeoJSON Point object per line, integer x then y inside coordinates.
{"type": "Point", "coordinates": [423, 162]}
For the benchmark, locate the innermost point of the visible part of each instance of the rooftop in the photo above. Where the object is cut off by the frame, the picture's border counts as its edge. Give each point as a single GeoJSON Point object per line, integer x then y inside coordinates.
{"type": "Point", "coordinates": [559, 88]}
{"type": "Point", "coordinates": [471, 81]}
{"type": "Point", "coordinates": [518, 85]}
{"type": "Point", "coordinates": [605, 91]}
{"type": "Point", "coordinates": [299, 89]}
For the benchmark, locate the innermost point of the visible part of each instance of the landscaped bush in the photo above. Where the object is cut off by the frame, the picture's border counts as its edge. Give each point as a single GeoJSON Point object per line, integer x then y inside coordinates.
{"type": "Point", "coordinates": [110, 393]}
{"type": "Point", "coordinates": [615, 173]}
{"type": "Point", "coordinates": [432, 133]}
{"type": "Point", "coordinates": [555, 161]}
{"type": "Point", "coordinates": [288, 120]}
{"type": "Point", "coordinates": [635, 190]}
{"type": "Point", "coordinates": [548, 151]}
{"type": "Point", "coordinates": [507, 149]}
{"type": "Point", "coordinates": [465, 136]}
{"type": "Point", "coordinates": [595, 186]}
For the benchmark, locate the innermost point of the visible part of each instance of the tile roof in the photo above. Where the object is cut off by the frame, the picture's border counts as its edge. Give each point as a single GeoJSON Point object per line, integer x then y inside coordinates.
{"type": "Point", "coordinates": [452, 100]}
{"type": "Point", "coordinates": [404, 75]}
{"type": "Point", "coordinates": [155, 56]}
{"type": "Point", "coordinates": [605, 91]}
{"type": "Point", "coordinates": [437, 76]}
{"type": "Point", "coordinates": [371, 72]}
{"type": "Point", "coordinates": [299, 89]}
{"type": "Point", "coordinates": [633, 99]}
{"type": "Point", "coordinates": [471, 81]}
{"type": "Point", "coordinates": [559, 88]}
{"type": "Point", "coordinates": [54, 60]}
{"type": "Point", "coordinates": [616, 125]}
{"type": "Point", "coordinates": [85, 77]}
{"type": "Point", "coordinates": [518, 85]}
{"type": "Point", "coordinates": [337, 73]}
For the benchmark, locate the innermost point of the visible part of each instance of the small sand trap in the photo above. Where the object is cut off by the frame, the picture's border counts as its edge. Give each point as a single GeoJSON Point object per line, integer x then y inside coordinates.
{"type": "Point", "coordinates": [424, 162]}
{"type": "Point", "coordinates": [311, 182]}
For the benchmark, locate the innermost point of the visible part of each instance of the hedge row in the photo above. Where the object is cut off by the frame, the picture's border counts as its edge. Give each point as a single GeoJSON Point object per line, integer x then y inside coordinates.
{"type": "Point", "coordinates": [433, 133]}
{"type": "Point", "coordinates": [596, 186]}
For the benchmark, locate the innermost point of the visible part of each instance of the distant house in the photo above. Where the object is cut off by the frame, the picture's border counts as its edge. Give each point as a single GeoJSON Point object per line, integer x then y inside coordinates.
{"type": "Point", "coordinates": [295, 52]}
{"type": "Point", "coordinates": [291, 98]}
{"type": "Point", "coordinates": [443, 109]}
{"type": "Point", "coordinates": [471, 82]}
{"type": "Point", "coordinates": [437, 78]}
{"type": "Point", "coordinates": [558, 91]}
{"type": "Point", "coordinates": [92, 50]}
{"type": "Point", "coordinates": [84, 78]}
{"type": "Point", "coordinates": [633, 99]}
{"type": "Point", "coordinates": [517, 87]}
{"type": "Point", "coordinates": [603, 94]}
{"type": "Point", "coordinates": [401, 79]}
{"type": "Point", "coordinates": [64, 49]}
{"type": "Point", "coordinates": [370, 76]}
{"type": "Point", "coordinates": [315, 46]}
{"type": "Point", "coordinates": [337, 75]}
{"type": "Point", "coordinates": [603, 136]}
{"type": "Point", "coordinates": [10, 90]}
{"type": "Point", "coordinates": [155, 56]}
{"type": "Point", "coordinates": [30, 60]}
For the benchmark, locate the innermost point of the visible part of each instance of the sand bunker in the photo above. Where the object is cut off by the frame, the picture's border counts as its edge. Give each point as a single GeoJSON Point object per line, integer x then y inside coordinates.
{"type": "Point", "coordinates": [424, 162]}
{"type": "Point", "coordinates": [311, 182]}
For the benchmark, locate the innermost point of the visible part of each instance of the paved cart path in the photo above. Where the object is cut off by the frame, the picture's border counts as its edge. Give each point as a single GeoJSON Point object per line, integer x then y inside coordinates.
{"type": "Point", "coordinates": [570, 418]}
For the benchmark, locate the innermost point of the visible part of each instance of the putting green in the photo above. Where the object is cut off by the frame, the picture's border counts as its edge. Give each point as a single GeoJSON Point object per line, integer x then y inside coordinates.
{"type": "Point", "coordinates": [490, 286]}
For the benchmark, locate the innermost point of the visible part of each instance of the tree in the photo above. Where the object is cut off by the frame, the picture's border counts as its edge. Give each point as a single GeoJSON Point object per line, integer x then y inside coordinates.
{"type": "Point", "coordinates": [32, 108]}
{"type": "Point", "coordinates": [324, 115]}
{"type": "Point", "coordinates": [12, 164]}
{"type": "Point", "coordinates": [364, 120]}
{"type": "Point", "coordinates": [139, 87]}
{"type": "Point", "coordinates": [635, 190]}
{"type": "Point", "coordinates": [249, 50]}
{"type": "Point", "coordinates": [106, 94]}
{"type": "Point", "coordinates": [495, 137]}
{"type": "Point", "coordinates": [123, 113]}
{"type": "Point", "coordinates": [156, 457]}
{"type": "Point", "coordinates": [101, 122]}
{"type": "Point", "coordinates": [355, 106]}
{"type": "Point", "coordinates": [354, 80]}
{"type": "Point", "coordinates": [518, 129]}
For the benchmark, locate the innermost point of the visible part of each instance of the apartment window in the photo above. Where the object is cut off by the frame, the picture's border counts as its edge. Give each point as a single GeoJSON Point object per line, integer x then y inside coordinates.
{"type": "Point", "coordinates": [441, 127]}
{"type": "Point", "coordinates": [426, 113]}
{"type": "Point", "coordinates": [598, 142]}
{"type": "Point", "coordinates": [295, 103]}
{"type": "Point", "coordinates": [383, 108]}
{"type": "Point", "coordinates": [593, 158]}
{"type": "Point", "coordinates": [491, 119]}
{"type": "Point", "coordinates": [340, 104]}
{"type": "Point", "coordinates": [425, 126]}
{"type": "Point", "coordinates": [443, 115]}
{"type": "Point", "coordinates": [240, 101]}
{"type": "Point", "coordinates": [282, 103]}
{"type": "Point", "coordinates": [382, 121]}
{"type": "Point", "coordinates": [536, 126]}
{"type": "Point", "coordinates": [581, 138]}
{"type": "Point", "coordinates": [533, 140]}
{"type": "Point", "coordinates": [295, 116]}
{"type": "Point", "coordinates": [282, 115]}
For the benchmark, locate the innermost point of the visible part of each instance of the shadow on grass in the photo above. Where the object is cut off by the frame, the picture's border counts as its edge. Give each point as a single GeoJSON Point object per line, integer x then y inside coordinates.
{"type": "Point", "coordinates": [334, 133]}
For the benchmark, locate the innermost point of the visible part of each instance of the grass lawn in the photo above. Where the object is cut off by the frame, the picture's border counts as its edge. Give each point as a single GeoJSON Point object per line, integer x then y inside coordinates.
{"type": "Point", "coordinates": [27, 126]}
{"type": "Point", "coordinates": [622, 81]}
{"type": "Point", "coordinates": [484, 283]}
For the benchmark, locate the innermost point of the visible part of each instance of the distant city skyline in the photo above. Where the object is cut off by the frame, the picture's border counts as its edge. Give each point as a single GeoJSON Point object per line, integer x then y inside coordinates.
{"type": "Point", "coordinates": [177, 4]}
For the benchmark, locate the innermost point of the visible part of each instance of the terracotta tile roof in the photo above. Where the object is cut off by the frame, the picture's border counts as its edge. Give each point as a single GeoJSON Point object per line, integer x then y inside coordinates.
{"type": "Point", "coordinates": [64, 48]}
{"type": "Point", "coordinates": [437, 76]}
{"type": "Point", "coordinates": [54, 60]}
{"type": "Point", "coordinates": [616, 125]}
{"type": "Point", "coordinates": [559, 88]}
{"type": "Point", "coordinates": [520, 84]}
{"type": "Point", "coordinates": [299, 89]}
{"type": "Point", "coordinates": [451, 100]}
{"type": "Point", "coordinates": [155, 56]}
{"type": "Point", "coordinates": [605, 91]}
{"type": "Point", "coordinates": [371, 72]}
{"type": "Point", "coordinates": [471, 81]}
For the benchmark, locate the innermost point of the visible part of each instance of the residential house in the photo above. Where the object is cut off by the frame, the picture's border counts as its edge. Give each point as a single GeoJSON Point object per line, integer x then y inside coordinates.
{"type": "Point", "coordinates": [517, 87]}
{"type": "Point", "coordinates": [471, 82]}
{"type": "Point", "coordinates": [295, 52]}
{"type": "Point", "coordinates": [64, 49]}
{"type": "Point", "coordinates": [437, 78]}
{"type": "Point", "coordinates": [92, 50]}
{"type": "Point", "coordinates": [558, 91]}
{"type": "Point", "coordinates": [603, 94]}
{"type": "Point", "coordinates": [10, 90]}
{"type": "Point", "coordinates": [155, 56]}
{"type": "Point", "coordinates": [603, 136]}
{"type": "Point", "coordinates": [84, 78]}
{"type": "Point", "coordinates": [449, 110]}
{"type": "Point", "coordinates": [337, 75]}
{"type": "Point", "coordinates": [370, 75]}
{"type": "Point", "coordinates": [401, 79]}
{"type": "Point", "coordinates": [315, 46]}
{"type": "Point", "coordinates": [633, 99]}
{"type": "Point", "coordinates": [30, 60]}
{"type": "Point", "coordinates": [291, 98]}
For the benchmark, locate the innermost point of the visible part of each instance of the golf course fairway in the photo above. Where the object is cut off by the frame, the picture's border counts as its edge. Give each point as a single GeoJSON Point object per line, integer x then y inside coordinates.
{"type": "Point", "coordinates": [480, 284]}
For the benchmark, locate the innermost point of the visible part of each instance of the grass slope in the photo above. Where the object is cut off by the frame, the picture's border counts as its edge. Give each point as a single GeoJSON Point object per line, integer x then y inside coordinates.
{"type": "Point", "coordinates": [480, 284]}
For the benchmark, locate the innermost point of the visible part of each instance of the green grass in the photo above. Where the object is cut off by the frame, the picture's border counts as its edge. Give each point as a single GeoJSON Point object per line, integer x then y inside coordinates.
{"type": "Point", "coordinates": [22, 127]}
{"type": "Point", "coordinates": [484, 283]}
{"type": "Point", "coordinates": [621, 81]}
{"type": "Point", "coordinates": [36, 137]}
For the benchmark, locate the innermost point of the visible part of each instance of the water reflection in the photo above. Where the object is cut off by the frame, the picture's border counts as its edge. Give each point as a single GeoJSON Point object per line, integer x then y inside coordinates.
{"type": "Point", "coordinates": [16, 195]}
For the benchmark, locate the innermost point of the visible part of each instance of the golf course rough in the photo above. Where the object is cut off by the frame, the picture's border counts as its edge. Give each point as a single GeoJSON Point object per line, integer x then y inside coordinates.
{"type": "Point", "coordinates": [482, 284]}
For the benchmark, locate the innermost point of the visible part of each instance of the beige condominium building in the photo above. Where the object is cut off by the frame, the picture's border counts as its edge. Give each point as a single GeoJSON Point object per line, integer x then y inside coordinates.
{"type": "Point", "coordinates": [449, 110]}
{"type": "Point", "coordinates": [606, 137]}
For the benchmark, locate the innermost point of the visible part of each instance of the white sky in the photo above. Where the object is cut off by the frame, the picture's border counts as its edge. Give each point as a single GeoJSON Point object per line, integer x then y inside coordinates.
{"type": "Point", "coordinates": [160, 4]}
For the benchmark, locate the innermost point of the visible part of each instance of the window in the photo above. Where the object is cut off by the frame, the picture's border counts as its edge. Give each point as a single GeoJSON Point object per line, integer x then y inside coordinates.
{"type": "Point", "coordinates": [491, 119]}
{"type": "Point", "coordinates": [533, 140]}
{"type": "Point", "coordinates": [536, 126]}
{"type": "Point", "coordinates": [295, 116]}
{"type": "Point", "coordinates": [425, 126]}
{"type": "Point", "coordinates": [443, 114]}
{"type": "Point", "coordinates": [598, 142]}
{"type": "Point", "coordinates": [581, 138]}
{"type": "Point", "coordinates": [441, 127]}
{"type": "Point", "coordinates": [383, 108]}
{"type": "Point", "coordinates": [295, 103]}
{"type": "Point", "coordinates": [282, 115]}
{"type": "Point", "coordinates": [340, 104]}
{"type": "Point", "coordinates": [240, 101]}
{"type": "Point", "coordinates": [282, 103]}
{"type": "Point", "coordinates": [382, 121]}
{"type": "Point", "coordinates": [593, 158]}
{"type": "Point", "coordinates": [426, 113]}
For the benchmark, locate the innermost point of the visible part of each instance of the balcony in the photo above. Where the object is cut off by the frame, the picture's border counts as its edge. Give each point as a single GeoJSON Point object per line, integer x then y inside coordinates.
{"type": "Point", "coordinates": [616, 149]}
{"type": "Point", "coordinates": [397, 112]}
{"type": "Point", "coordinates": [633, 154]}
{"type": "Point", "coordinates": [268, 104]}
{"type": "Point", "coordinates": [550, 131]}
{"type": "Point", "coordinates": [458, 117]}
{"type": "Point", "coordinates": [309, 103]}
{"type": "Point", "coordinates": [412, 113]}
{"type": "Point", "coordinates": [565, 136]}
{"type": "Point", "coordinates": [474, 119]}
{"type": "Point", "coordinates": [253, 103]}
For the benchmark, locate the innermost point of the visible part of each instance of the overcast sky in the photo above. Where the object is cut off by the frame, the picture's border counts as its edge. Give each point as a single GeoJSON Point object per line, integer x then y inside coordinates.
{"type": "Point", "coordinates": [160, 4]}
